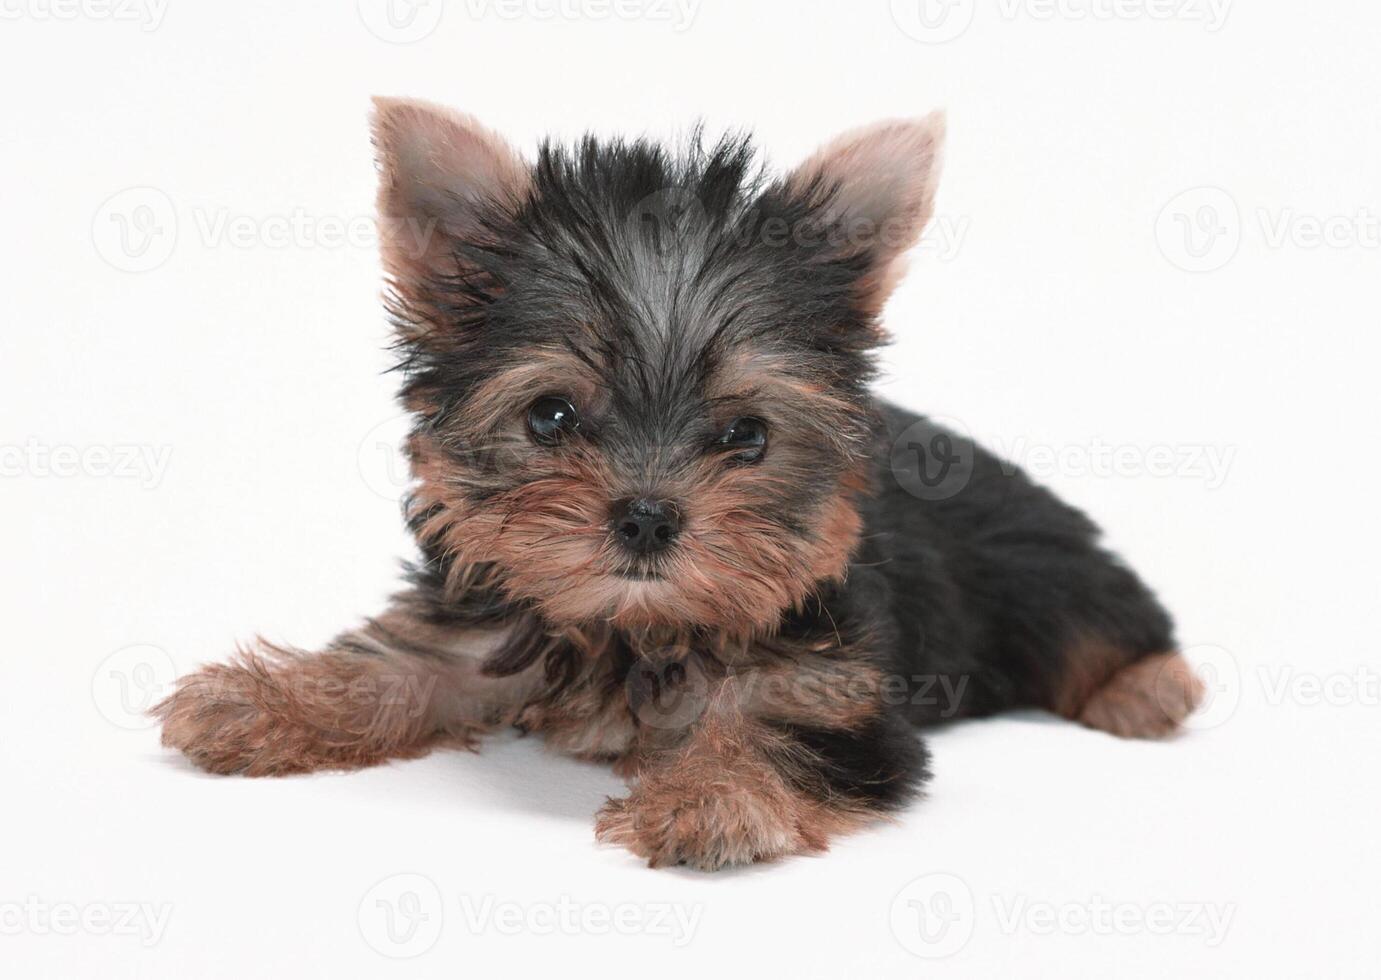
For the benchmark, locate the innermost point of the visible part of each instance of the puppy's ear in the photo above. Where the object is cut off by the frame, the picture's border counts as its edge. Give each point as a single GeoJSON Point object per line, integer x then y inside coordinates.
{"type": "Point", "coordinates": [875, 187]}
{"type": "Point", "coordinates": [443, 180]}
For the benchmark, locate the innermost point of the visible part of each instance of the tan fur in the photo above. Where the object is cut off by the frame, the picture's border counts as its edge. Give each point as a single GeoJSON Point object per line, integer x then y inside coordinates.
{"type": "Point", "coordinates": [769, 381]}
{"type": "Point", "coordinates": [720, 800]}
{"type": "Point", "coordinates": [590, 719]}
{"type": "Point", "coordinates": [550, 535]}
{"type": "Point", "coordinates": [832, 686]}
{"type": "Point", "coordinates": [273, 710]}
{"type": "Point", "coordinates": [1104, 687]}
{"type": "Point", "coordinates": [816, 693]}
{"type": "Point", "coordinates": [1088, 664]}
{"type": "Point", "coordinates": [432, 161]}
{"type": "Point", "coordinates": [1148, 699]}
{"type": "Point", "coordinates": [883, 180]}
{"type": "Point", "coordinates": [500, 402]}
{"type": "Point", "coordinates": [722, 789]}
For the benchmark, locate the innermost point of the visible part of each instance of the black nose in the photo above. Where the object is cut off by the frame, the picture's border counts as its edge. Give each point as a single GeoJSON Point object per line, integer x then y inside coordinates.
{"type": "Point", "coordinates": [645, 526]}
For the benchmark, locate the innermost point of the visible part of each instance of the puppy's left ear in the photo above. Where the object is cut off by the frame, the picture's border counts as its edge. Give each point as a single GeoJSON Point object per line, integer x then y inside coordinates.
{"type": "Point", "coordinates": [875, 187]}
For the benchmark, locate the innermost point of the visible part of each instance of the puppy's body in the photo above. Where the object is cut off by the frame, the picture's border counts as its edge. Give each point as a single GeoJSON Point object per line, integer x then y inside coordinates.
{"type": "Point", "coordinates": [661, 516]}
{"type": "Point", "coordinates": [996, 580]}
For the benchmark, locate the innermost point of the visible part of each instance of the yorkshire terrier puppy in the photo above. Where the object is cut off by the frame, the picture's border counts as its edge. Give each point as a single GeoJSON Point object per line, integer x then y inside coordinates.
{"type": "Point", "coordinates": [659, 512]}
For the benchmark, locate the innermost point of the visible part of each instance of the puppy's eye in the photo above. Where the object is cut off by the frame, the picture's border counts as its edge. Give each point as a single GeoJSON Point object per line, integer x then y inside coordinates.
{"type": "Point", "coordinates": [550, 418]}
{"type": "Point", "coordinates": [747, 438]}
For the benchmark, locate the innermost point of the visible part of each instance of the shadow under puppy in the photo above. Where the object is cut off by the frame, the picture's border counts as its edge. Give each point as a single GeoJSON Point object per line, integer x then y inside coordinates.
{"type": "Point", "coordinates": [661, 516]}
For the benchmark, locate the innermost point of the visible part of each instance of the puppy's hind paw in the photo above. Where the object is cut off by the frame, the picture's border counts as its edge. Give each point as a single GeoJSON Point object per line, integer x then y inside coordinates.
{"type": "Point", "coordinates": [1146, 699]}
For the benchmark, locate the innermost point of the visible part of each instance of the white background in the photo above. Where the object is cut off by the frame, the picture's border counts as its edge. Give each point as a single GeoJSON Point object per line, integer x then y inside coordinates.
{"type": "Point", "coordinates": [232, 344]}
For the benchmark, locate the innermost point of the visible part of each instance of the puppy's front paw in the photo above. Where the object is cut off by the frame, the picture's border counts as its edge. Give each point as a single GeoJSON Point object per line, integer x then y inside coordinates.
{"type": "Point", "coordinates": [667, 825]}
{"type": "Point", "coordinates": [230, 718]}
{"type": "Point", "coordinates": [275, 717]}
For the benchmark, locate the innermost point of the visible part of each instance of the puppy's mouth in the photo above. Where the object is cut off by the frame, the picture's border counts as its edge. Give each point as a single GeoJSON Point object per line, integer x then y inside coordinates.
{"type": "Point", "coordinates": [641, 574]}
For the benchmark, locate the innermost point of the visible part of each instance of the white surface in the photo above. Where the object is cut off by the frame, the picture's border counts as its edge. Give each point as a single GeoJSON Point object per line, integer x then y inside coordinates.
{"type": "Point", "coordinates": [248, 368]}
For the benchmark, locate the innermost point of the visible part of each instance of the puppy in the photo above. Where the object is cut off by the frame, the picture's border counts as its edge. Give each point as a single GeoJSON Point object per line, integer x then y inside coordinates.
{"type": "Point", "coordinates": [663, 521]}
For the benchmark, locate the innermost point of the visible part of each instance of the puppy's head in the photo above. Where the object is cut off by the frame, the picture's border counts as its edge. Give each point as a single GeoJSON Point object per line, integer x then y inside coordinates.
{"type": "Point", "coordinates": [640, 376]}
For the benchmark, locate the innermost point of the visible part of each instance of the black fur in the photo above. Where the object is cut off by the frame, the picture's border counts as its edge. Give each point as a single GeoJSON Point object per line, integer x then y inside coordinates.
{"type": "Point", "coordinates": [881, 764]}
{"type": "Point", "coordinates": [995, 584]}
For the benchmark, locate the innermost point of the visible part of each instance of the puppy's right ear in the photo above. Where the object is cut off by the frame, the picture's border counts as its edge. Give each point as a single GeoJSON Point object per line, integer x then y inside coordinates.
{"type": "Point", "coordinates": [443, 179]}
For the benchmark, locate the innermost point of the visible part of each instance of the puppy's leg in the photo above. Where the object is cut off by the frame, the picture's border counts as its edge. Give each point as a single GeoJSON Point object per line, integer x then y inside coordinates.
{"type": "Point", "coordinates": [394, 688]}
{"type": "Point", "coordinates": [1146, 698]}
{"type": "Point", "coordinates": [763, 774]}
{"type": "Point", "coordinates": [1099, 650]}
